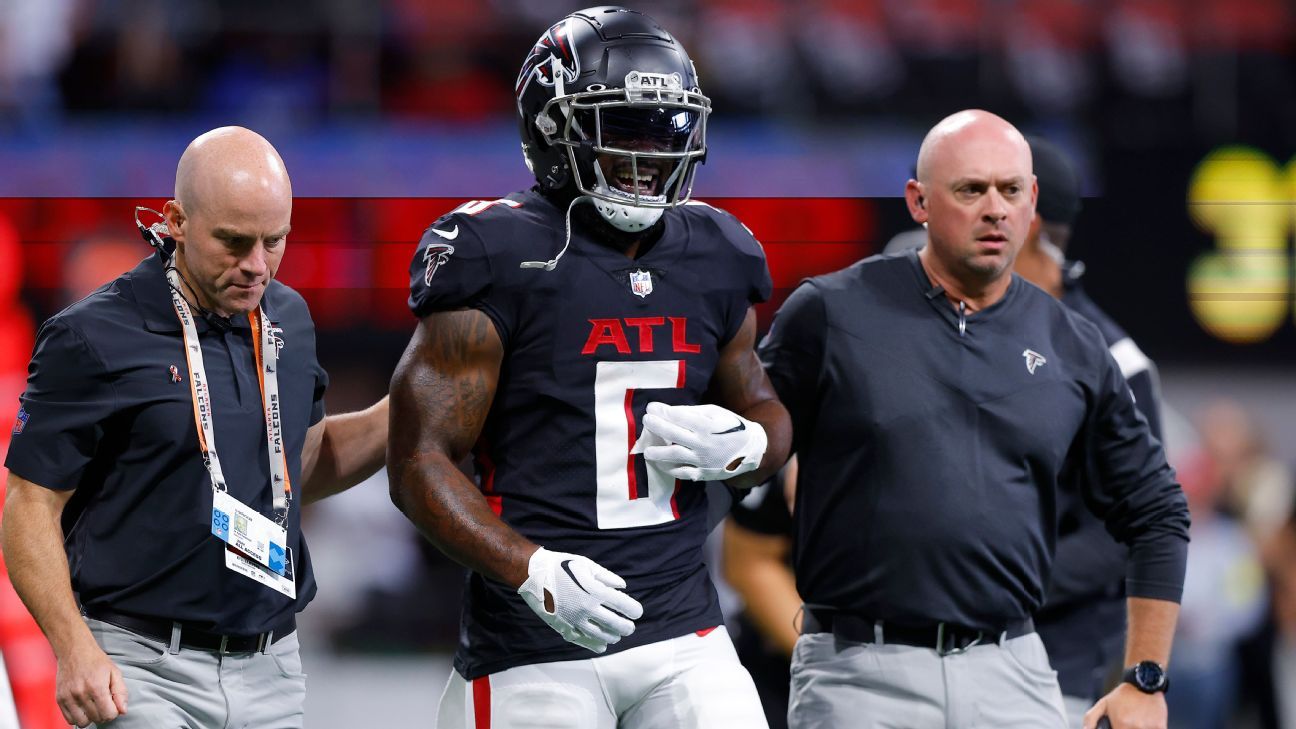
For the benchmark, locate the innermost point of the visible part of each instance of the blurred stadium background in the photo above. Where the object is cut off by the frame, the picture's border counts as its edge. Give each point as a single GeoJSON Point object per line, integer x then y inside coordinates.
{"type": "Point", "coordinates": [1181, 115]}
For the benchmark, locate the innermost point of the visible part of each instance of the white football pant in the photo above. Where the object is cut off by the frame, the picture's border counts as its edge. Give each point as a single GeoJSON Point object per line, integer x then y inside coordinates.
{"type": "Point", "coordinates": [691, 682]}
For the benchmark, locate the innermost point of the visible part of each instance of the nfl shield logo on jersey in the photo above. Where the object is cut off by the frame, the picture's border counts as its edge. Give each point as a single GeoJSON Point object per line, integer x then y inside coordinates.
{"type": "Point", "coordinates": [21, 422]}
{"type": "Point", "coordinates": [641, 283]}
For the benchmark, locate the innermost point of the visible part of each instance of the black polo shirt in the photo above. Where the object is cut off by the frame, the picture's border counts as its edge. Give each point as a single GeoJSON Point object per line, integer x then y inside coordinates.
{"type": "Point", "coordinates": [932, 450]}
{"type": "Point", "coordinates": [105, 416]}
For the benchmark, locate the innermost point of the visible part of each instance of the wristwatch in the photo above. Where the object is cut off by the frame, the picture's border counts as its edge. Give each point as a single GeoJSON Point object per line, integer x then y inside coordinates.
{"type": "Point", "coordinates": [1148, 677]}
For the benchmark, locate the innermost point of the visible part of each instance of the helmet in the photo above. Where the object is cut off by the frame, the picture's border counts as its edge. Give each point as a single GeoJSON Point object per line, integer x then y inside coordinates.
{"type": "Point", "coordinates": [609, 103]}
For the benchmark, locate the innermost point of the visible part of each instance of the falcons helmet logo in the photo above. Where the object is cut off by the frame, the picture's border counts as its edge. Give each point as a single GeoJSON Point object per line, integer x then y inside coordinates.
{"type": "Point", "coordinates": [554, 46]}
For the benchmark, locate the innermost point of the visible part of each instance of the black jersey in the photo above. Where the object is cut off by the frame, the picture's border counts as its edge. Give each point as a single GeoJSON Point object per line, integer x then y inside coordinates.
{"type": "Point", "coordinates": [587, 345]}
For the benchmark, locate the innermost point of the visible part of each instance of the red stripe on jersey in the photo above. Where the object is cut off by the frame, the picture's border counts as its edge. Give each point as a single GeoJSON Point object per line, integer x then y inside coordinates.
{"type": "Point", "coordinates": [706, 631]}
{"type": "Point", "coordinates": [488, 472]}
{"type": "Point", "coordinates": [679, 384]}
{"type": "Point", "coordinates": [630, 459]}
{"type": "Point", "coordinates": [481, 702]}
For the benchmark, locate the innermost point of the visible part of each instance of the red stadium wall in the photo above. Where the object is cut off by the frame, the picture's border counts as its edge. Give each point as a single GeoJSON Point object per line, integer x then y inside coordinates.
{"type": "Point", "coordinates": [27, 656]}
{"type": "Point", "coordinates": [350, 257]}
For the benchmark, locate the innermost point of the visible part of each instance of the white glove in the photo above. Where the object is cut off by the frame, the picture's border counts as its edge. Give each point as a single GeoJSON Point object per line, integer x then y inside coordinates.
{"type": "Point", "coordinates": [584, 597]}
{"type": "Point", "coordinates": [700, 442]}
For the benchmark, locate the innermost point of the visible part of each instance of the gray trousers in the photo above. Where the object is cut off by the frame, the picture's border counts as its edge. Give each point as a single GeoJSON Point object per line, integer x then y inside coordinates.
{"type": "Point", "coordinates": [1076, 708]}
{"type": "Point", "coordinates": [170, 687]}
{"type": "Point", "coordinates": [1004, 685]}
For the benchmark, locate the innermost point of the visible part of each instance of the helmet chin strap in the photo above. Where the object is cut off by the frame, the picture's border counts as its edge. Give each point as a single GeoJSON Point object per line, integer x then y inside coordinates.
{"type": "Point", "coordinates": [628, 218]}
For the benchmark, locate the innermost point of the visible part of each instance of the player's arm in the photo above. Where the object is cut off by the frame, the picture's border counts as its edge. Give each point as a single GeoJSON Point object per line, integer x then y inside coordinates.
{"type": "Point", "coordinates": [742, 438]}
{"type": "Point", "coordinates": [440, 397]}
{"type": "Point", "coordinates": [741, 385]}
{"type": "Point", "coordinates": [90, 686]}
{"type": "Point", "coordinates": [343, 450]}
{"type": "Point", "coordinates": [441, 393]}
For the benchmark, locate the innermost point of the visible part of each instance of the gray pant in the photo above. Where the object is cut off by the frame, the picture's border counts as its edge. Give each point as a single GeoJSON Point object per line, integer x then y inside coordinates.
{"type": "Point", "coordinates": [1076, 708]}
{"type": "Point", "coordinates": [837, 683]}
{"type": "Point", "coordinates": [170, 687]}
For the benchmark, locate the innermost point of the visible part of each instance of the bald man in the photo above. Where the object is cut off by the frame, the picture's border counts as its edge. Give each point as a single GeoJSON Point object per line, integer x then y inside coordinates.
{"type": "Point", "coordinates": [936, 400]}
{"type": "Point", "coordinates": [151, 524]}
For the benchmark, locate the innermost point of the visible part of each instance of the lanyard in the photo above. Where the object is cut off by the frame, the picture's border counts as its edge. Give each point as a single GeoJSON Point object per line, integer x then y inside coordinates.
{"type": "Point", "coordinates": [267, 360]}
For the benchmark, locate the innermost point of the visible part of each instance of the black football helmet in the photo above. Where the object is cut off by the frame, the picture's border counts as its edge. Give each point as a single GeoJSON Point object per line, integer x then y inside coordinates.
{"type": "Point", "coordinates": [609, 103]}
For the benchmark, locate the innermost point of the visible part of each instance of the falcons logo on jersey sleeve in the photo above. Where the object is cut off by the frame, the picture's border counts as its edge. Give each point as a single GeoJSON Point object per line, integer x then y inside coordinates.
{"type": "Point", "coordinates": [436, 255]}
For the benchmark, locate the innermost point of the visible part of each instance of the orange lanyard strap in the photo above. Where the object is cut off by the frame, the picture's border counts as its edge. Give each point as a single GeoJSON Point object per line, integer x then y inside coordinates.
{"type": "Point", "coordinates": [263, 340]}
{"type": "Point", "coordinates": [266, 354]}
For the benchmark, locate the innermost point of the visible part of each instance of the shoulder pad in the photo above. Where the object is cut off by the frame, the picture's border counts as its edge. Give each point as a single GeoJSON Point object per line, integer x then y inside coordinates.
{"type": "Point", "coordinates": [739, 246]}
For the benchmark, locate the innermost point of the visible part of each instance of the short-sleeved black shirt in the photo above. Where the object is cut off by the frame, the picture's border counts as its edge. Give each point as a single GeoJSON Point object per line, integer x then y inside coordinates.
{"type": "Point", "coordinates": [104, 414]}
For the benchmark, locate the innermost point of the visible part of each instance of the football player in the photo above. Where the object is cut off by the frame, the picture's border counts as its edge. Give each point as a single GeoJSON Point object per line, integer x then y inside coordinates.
{"type": "Point", "coordinates": [590, 342]}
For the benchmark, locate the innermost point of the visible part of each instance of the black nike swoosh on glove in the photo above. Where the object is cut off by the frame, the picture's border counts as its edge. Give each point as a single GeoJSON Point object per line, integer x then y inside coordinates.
{"type": "Point", "coordinates": [567, 569]}
{"type": "Point", "coordinates": [735, 429]}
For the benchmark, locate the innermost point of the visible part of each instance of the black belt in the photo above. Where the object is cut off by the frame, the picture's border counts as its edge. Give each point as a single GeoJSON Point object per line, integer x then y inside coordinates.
{"type": "Point", "coordinates": [944, 638]}
{"type": "Point", "coordinates": [190, 637]}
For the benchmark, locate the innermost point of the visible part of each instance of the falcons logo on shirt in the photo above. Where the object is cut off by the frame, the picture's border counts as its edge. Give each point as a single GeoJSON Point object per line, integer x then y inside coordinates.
{"type": "Point", "coordinates": [435, 256]}
{"type": "Point", "coordinates": [1034, 360]}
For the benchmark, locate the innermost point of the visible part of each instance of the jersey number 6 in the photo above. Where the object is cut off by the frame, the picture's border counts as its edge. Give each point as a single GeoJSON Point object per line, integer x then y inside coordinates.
{"type": "Point", "coordinates": [621, 502]}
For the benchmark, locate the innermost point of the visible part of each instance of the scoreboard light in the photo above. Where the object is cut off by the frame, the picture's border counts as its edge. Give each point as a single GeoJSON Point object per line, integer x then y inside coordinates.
{"type": "Point", "coordinates": [1241, 292]}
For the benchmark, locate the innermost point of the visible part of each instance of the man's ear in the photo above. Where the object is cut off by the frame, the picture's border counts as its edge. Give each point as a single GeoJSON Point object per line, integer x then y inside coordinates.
{"type": "Point", "coordinates": [174, 213]}
{"type": "Point", "coordinates": [916, 200]}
